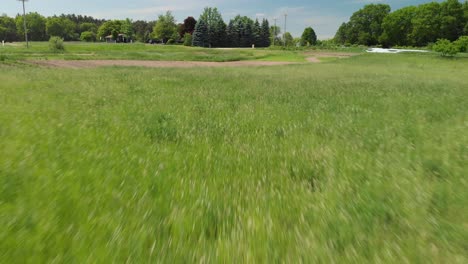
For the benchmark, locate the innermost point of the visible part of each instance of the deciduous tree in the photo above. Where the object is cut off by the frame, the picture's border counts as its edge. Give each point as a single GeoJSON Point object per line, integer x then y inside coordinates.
{"type": "Point", "coordinates": [189, 25]}
{"type": "Point", "coordinates": [7, 28]}
{"type": "Point", "coordinates": [165, 27]}
{"type": "Point", "coordinates": [308, 37]}
{"type": "Point", "coordinates": [36, 25]}
{"type": "Point", "coordinates": [61, 27]}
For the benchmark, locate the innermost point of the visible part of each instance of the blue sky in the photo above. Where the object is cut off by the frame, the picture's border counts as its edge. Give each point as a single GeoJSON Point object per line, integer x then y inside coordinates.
{"type": "Point", "coordinates": [324, 16]}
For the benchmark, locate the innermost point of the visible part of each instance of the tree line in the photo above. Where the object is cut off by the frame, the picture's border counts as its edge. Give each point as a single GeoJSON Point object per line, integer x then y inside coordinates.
{"type": "Point", "coordinates": [71, 27]}
{"type": "Point", "coordinates": [410, 26]}
{"type": "Point", "coordinates": [209, 30]}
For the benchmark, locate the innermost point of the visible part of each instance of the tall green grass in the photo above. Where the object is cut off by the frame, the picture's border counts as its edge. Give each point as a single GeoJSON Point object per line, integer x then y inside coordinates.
{"type": "Point", "coordinates": [139, 51]}
{"type": "Point", "coordinates": [356, 160]}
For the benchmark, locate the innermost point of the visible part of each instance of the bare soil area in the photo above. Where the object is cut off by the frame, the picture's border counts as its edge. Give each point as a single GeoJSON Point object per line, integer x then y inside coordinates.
{"type": "Point", "coordinates": [79, 64]}
{"type": "Point", "coordinates": [314, 57]}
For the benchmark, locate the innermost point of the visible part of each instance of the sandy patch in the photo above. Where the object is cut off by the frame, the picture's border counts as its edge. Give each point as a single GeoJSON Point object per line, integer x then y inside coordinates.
{"type": "Point", "coordinates": [314, 57]}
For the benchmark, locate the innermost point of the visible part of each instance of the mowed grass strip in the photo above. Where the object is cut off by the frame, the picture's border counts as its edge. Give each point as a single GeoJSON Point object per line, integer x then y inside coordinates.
{"type": "Point", "coordinates": [357, 160]}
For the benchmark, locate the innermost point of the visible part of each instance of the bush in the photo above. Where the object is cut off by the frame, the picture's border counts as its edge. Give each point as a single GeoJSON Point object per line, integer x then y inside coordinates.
{"type": "Point", "coordinates": [56, 44]}
{"type": "Point", "coordinates": [88, 36]}
{"type": "Point", "coordinates": [445, 48]}
{"type": "Point", "coordinates": [462, 44]}
{"type": "Point", "coordinates": [188, 39]}
{"type": "Point", "coordinates": [170, 42]}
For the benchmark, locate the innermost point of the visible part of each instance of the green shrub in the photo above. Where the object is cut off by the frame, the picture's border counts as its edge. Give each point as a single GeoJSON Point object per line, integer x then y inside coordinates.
{"type": "Point", "coordinates": [3, 57]}
{"type": "Point", "coordinates": [170, 42]}
{"type": "Point", "coordinates": [88, 36]}
{"type": "Point", "coordinates": [188, 39]}
{"type": "Point", "coordinates": [462, 44]}
{"type": "Point", "coordinates": [56, 44]}
{"type": "Point", "coordinates": [445, 48]}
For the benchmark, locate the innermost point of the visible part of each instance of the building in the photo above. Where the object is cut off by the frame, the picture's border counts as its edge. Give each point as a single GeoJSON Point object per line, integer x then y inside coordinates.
{"type": "Point", "coordinates": [121, 38]}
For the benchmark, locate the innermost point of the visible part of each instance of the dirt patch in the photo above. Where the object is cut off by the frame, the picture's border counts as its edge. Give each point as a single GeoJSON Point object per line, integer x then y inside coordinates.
{"type": "Point", "coordinates": [314, 57]}
{"type": "Point", "coordinates": [79, 64]}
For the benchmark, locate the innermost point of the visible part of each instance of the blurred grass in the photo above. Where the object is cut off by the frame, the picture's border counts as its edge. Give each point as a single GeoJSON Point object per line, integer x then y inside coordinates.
{"type": "Point", "coordinates": [355, 160]}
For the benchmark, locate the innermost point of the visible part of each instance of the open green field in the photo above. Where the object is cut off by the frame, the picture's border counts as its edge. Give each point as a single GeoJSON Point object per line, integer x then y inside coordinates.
{"type": "Point", "coordinates": [105, 51]}
{"type": "Point", "coordinates": [360, 160]}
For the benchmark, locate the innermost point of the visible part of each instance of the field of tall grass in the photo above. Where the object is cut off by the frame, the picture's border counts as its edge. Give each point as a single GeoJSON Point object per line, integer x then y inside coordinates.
{"type": "Point", "coordinates": [354, 160]}
{"type": "Point", "coordinates": [140, 51]}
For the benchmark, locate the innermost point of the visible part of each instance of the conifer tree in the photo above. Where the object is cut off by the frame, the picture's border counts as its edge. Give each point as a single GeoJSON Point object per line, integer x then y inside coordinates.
{"type": "Point", "coordinates": [200, 35]}
{"type": "Point", "coordinates": [265, 33]}
{"type": "Point", "coordinates": [247, 35]}
{"type": "Point", "coordinates": [257, 34]}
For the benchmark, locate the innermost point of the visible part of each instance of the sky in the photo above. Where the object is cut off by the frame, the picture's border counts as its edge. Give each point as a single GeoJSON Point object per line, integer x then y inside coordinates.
{"type": "Point", "coordinates": [324, 16]}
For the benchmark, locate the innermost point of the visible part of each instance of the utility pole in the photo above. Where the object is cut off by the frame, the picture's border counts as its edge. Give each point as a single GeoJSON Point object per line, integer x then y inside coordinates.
{"type": "Point", "coordinates": [276, 34]}
{"type": "Point", "coordinates": [284, 34]}
{"type": "Point", "coordinates": [24, 24]}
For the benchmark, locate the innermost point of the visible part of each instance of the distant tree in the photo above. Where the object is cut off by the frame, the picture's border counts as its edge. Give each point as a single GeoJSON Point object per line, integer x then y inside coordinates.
{"type": "Point", "coordinates": [297, 42]}
{"type": "Point", "coordinates": [115, 34]}
{"type": "Point", "coordinates": [426, 24]}
{"type": "Point", "coordinates": [88, 26]}
{"type": "Point", "coordinates": [165, 27]}
{"type": "Point", "coordinates": [265, 34]}
{"type": "Point", "coordinates": [341, 35]}
{"type": "Point", "coordinates": [61, 27]}
{"type": "Point", "coordinates": [397, 27]}
{"type": "Point", "coordinates": [189, 24]}
{"type": "Point", "coordinates": [452, 20]}
{"type": "Point", "coordinates": [220, 35]}
{"type": "Point", "coordinates": [111, 27]}
{"type": "Point", "coordinates": [364, 26]}
{"type": "Point", "coordinates": [88, 36]}
{"type": "Point", "coordinates": [247, 37]}
{"type": "Point", "coordinates": [181, 30]}
{"type": "Point", "coordinates": [188, 39]}
{"type": "Point", "coordinates": [79, 20]}
{"type": "Point", "coordinates": [257, 34]}
{"type": "Point", "coordinates": [308, 37]}
{"type": "Point", "coordinates": [240, 31]}
{"type": "Point", "coordinates": [233, 34]}
{"type": "Point", "coordinates": [215, 26]}
{"type": "Point", "coordinates": [36, 25]}
{"type": "Point", "coordinates": [288, 39]}
{"type": "Point", "coordinates": [465, 12]}
{"type": "Point", "coordinates": [7, 28]}
{"type": "Point", "coordinates": [200, 35]}
{"type": "Point", "coordinates": [275, 32]}
{"type": "Point", "coordinates": [127, 28]}
{"type": "Point", "coordinates": [143, 30]}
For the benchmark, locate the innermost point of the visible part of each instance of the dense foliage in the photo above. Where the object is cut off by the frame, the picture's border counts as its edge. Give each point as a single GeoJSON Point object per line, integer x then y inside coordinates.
{"type": "Point", "coordinates": [445, 48]}
{"type": "Point", "coordinates": [241, 31]}
{"type": "Point", "coordinates": [200, 35]}
{"type": "Point", "coordinates": [71, 28]}
{"type": "Point", "coordinates": [165, 28]}
{"type": "Point", "coordinates": [409, 26]}
{"type": "Point", "coordinates": [308, 37]}
{"type": "Point", "coordinates": [56, 44]}
{"type": "Point", "coordinates": [61, 27]}
{"type": "Point", "coordinates": [212, 31]}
